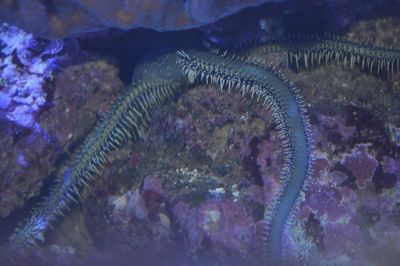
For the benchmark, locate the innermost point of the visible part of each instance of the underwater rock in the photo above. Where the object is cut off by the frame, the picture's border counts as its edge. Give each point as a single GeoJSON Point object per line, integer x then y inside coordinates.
{"type": "Point", "coordinates": [137, 223]}
{"type": "Point", "coordinates": [353, 194]}
{"type": "Point", "coordinates": [141, 211]}
{"type": "Point", "coordinates": [347, 211]}
{"type": "Point", "coordinates": [391, 166]}
{"type": "Point", "coordinates": [75, 108]}
{"type": "Point", "coordinates": [27, 64]}
{"type": "Point", "coordinates": [222, 231]}
{"type": "Point", "coordinates": [190, 169]}
{"type": "Point", "coordinates": [195, 183]}
{"type": "Point", "coordinates": [29, 157]}
{"type": "Point", "coordinates": [61, 18]}
{"type": "Point", "coordinates": [340, 15]}
{"type": "Point", "coordinates": [22, 169]}
{"type": "Point", "coordinates": [361, 164]}
{"type": "Point", "coordinates": [143, 204]}
{"type": "Point", "coordinates": [216, 156]}
{"type": "Point", "coordinates": [207, 157]}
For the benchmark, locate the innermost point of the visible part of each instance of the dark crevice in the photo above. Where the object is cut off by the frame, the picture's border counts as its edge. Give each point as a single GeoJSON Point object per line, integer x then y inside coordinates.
{"type": "Point", "coordinates": [315, 231]}
{"type": "Point", "coordinates": [130, 48]}
{"type": "Point", "coordinates": [383, 180]}
{"type": "Point", "coordinates": [351, 180]}
{"type": "Point", "coordinates": [250, 161]}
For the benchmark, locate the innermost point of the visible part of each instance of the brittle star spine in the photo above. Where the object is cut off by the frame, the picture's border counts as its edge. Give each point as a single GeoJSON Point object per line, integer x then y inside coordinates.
{"type": "Point", "coordinates": [308, 50]}
{"type": "Point", "coordinates": [170, 76]}
{"type": "Point", "coordinates": [282, 98]}
{"type": "Point", "coordinates": [128, 118]}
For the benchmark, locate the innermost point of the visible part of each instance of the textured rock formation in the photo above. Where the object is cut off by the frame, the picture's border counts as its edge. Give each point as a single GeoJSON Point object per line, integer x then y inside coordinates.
{"type": "Point", "coordinates": [58, 18]}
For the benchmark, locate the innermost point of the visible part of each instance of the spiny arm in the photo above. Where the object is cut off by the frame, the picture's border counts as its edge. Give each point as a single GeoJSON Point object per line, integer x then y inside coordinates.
{"type": "Point", "coordinates": [271, 88]}
{"type": "Point", "coordinates": [128, 118]}
{"type": "Point", "coordinates": [308, 50]}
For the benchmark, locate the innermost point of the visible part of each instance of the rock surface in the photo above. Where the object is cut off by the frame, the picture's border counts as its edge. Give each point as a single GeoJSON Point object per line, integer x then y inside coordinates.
{"type": "Point", "coordinates": [60, 18]}
{"type": "Point", "coordinates": [192, 191]}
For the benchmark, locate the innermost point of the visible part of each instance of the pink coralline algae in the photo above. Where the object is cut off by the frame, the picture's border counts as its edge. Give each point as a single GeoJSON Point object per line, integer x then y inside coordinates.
{"type": "Point", "coordinates": [142, 204]}
{"type": "Point", "coordinates": [217, 227]}
{"type": "Point", "coordinates": [64, 17]}
{"type": "Point", "coordinates": [214, 230]}
{"type": "Point", "coordinates": [391, 166]}
{"type": "Point", "coordinates": [361, 164]}
{"type": "Point", "coordinates": [180, 208]}
{"type": "Point", "coordinates": [350, 207]}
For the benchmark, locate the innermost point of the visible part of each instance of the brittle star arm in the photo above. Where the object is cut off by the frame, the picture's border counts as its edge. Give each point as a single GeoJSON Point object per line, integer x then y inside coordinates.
{"type": "Point", "coordinates": [130, 115]}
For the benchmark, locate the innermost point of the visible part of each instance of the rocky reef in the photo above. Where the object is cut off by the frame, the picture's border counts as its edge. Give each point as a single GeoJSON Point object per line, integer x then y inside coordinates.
{"type": "Point", "coordinates": [27, 65]}
{"type": "Point", "coordinates": [193, 190]}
